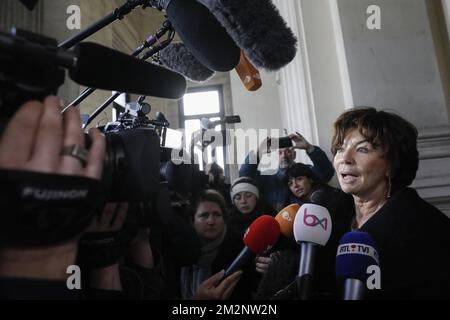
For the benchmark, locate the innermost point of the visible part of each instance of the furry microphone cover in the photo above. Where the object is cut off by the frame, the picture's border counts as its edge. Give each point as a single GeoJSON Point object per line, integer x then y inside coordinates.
{"type": "Point", "coordinates": [258, 29]}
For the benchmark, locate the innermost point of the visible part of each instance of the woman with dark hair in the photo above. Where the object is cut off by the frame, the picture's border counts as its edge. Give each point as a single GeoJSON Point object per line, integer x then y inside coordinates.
{"type": "Point", "coordinates": [302, 183]}
{"type": "Point", "coordinates": [376, 159]}
{"type": "Point", "coordinates": [220, 246]}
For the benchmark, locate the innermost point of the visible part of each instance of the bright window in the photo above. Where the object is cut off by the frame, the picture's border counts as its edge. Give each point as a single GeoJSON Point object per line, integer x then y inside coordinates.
{"type": "Point", "coordinates": [200, 103]}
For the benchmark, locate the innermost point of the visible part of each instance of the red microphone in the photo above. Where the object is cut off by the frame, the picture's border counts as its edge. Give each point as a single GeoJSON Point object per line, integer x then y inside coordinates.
{"type": "Point", "coordinates": [262, 234]}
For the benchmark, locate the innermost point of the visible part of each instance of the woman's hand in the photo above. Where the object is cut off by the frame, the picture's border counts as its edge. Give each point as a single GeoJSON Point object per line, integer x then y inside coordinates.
{"type": "Point", "coordinates": [215, 289]}
{"type": "Point", "coordinates": [262, 264]}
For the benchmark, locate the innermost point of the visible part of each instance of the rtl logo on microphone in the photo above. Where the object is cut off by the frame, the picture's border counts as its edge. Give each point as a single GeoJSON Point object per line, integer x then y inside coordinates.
{"type": "Point", "coordinates": [373, 271]}
{"type": "Point", "coordinates": [358, 248]}
{"type": "Point", "coordinates": [312, 220]}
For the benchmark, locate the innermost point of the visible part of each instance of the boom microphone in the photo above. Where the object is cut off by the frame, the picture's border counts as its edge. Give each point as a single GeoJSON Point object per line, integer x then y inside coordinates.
{"type": "Point", "coordinates": [89, 64]}
{"type": "Point", "coordinates": [312, 228]}
{"type": "Point", "coordinates": [258, 29]}
{"type": "Point", "coordinates": [259, 237]}
{"type": "Point", "coordinates": [95, 63]}
{"type": "Point", "coordinates": [178, 58]}
{"type": "Point", "coordinates": [202, 34]}
{"type": "Point", "coordinates": [356, 252]}
{"type": "Point", "coordinates": [30, 4]}
{"type": "Point", "coordinates": [206, 124]}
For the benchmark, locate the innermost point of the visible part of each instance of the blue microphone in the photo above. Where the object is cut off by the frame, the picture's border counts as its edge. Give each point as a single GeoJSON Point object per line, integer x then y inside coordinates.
{"type": "Point", "coordinates": [356, 252]}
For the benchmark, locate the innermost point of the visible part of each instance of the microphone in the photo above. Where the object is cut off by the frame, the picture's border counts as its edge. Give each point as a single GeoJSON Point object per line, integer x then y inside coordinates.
{"type": "Point", "coordinates": [312, 228]}
{"type": "Point", "coordinates": [202, 34]}
{"type": "Point", "coordinates": [356, 252]}
{"type": "Point", "coordinates": [258, 29]}
{"type": "Point", "coordinates": [259, 237]}
{"type": "Point", "coordinates": [321, 197]}
{"type": "Point", "coordinates": [29, 4]}
{"type": "Point", "coordinates": [206, 124]}
{"type": "Point", "coordinates": [178, 58]}
{"type": "Point", "coordinates": [248, 74]}
{"type": "Point", "coordinates": [286, 218]}
{"type": "Point", "coordinates": [94, 64]}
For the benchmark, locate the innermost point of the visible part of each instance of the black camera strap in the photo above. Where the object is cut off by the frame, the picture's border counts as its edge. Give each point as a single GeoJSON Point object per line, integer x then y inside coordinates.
{"type": "Point", "coordinates": [44, 209]}
{"type": "Point", "coordinates": [102, 249]}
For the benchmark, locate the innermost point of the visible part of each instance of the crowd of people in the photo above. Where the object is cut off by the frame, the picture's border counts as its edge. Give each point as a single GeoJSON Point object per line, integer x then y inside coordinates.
{"type": "Point", "coordinates": [184, 255]}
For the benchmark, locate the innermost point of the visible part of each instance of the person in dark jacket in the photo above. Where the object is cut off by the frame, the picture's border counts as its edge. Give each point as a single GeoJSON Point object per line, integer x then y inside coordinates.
{"type": "Point", "coordinates": [272, 186]}
{"type": "Point", "coordinates": [220, 246]}
{"type": "Point", "coordinates": [376, 159]}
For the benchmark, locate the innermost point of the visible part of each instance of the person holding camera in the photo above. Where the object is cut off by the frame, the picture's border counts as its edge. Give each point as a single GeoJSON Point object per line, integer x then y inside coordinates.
{"type": "Point", "coordinates": [50, 191]}
{"type": "Point", "coordinates": [272, 186]}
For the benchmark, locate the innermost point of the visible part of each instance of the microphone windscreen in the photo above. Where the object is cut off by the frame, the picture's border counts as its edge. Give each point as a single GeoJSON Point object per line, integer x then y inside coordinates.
{"type": "Point", "coordinates": [286, 218]}
{"type": "Point", "coordinates": [177, 57]}
{"type": "Point", "coordinates": [199, 30]}
{"type": "Point", "coordinates": [312, 224]}
{"type": "Point", "coordinates": [104, 68]}
{"type": "Point", "coordinates": [357, 251]}
{"type": "Point", "coordinates": [320, 197]}
{"type": "Point", "coordinates": [258, 29]}
{"type": "Point", "coordinates": [262, 234]}
{"type": "Point", "coordinates": [30, 4]}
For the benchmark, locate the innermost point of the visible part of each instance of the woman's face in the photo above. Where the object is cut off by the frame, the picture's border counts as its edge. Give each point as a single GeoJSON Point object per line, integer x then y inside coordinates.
{"type": "Point", "coordinates": [208, 220]}
{"type": "Point", "coordinates": [301, 187]}
{"type": "Point", "coordinates": [361, 167]}
{"type": "Point", "coordinates": [245, 202]}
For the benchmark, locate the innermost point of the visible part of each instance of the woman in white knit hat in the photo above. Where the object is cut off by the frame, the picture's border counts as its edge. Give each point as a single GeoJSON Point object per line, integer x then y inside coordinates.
{"type": "Point", "coordinates": [247, 204]}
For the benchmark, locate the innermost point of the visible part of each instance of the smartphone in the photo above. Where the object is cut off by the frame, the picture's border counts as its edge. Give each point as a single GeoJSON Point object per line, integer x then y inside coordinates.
{"type": "Point", "coordinates": [283, 142]}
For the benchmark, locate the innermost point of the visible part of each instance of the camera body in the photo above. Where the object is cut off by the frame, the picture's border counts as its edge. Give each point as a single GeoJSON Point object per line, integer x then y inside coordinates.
{"type": "Point", "coordinates": [23, 79]}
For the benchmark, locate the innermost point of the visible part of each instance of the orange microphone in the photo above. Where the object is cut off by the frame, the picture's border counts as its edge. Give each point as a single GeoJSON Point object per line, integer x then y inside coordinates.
{"type": "Point", "coordinates": [286, 218]}
{"type": "Point", "coordinates": [249, 75]}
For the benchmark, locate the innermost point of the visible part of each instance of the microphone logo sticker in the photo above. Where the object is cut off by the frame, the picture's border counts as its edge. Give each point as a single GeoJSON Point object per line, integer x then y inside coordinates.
{"type": "Point", "coordinates": [285, 215]}
{"type": "Point", "coordinates": [358, 248]}
{"type": "Point", "coordinates": [312, 220]}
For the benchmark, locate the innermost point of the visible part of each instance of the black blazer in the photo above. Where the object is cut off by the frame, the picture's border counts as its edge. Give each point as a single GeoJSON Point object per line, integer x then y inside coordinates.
{"type": "Point", "coordinates": [413, 240]}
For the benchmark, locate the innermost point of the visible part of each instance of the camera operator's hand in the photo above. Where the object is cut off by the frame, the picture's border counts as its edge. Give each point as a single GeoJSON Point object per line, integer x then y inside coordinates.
{"type": "Point", "coordinates": [140, 249]}
{"type": "Point", "coordinates": [300, 142]}
{"type": "Point", "coordinates": [262, 263]}
{"type": "Point", "coordinates": [112, 219]}
{"type": "Point", "coordinates": [211, 289]}
{"type": "Point", "coordinates": [33, 141]}
{"type": "Point", "coordinates": [36, 135]}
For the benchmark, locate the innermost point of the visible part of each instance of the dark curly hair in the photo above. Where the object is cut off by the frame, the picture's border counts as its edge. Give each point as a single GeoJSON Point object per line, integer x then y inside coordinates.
{"type": "Point", "coordinates": [394, 135]}
{"type": "Point", "coordinates": [301, 170]}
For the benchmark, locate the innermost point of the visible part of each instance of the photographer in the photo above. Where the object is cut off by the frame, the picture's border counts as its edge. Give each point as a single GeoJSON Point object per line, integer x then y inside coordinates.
{"type": "Point", "coordinates": [272, 186]}
{"type": "Point", "coordinates": [43, 144]}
